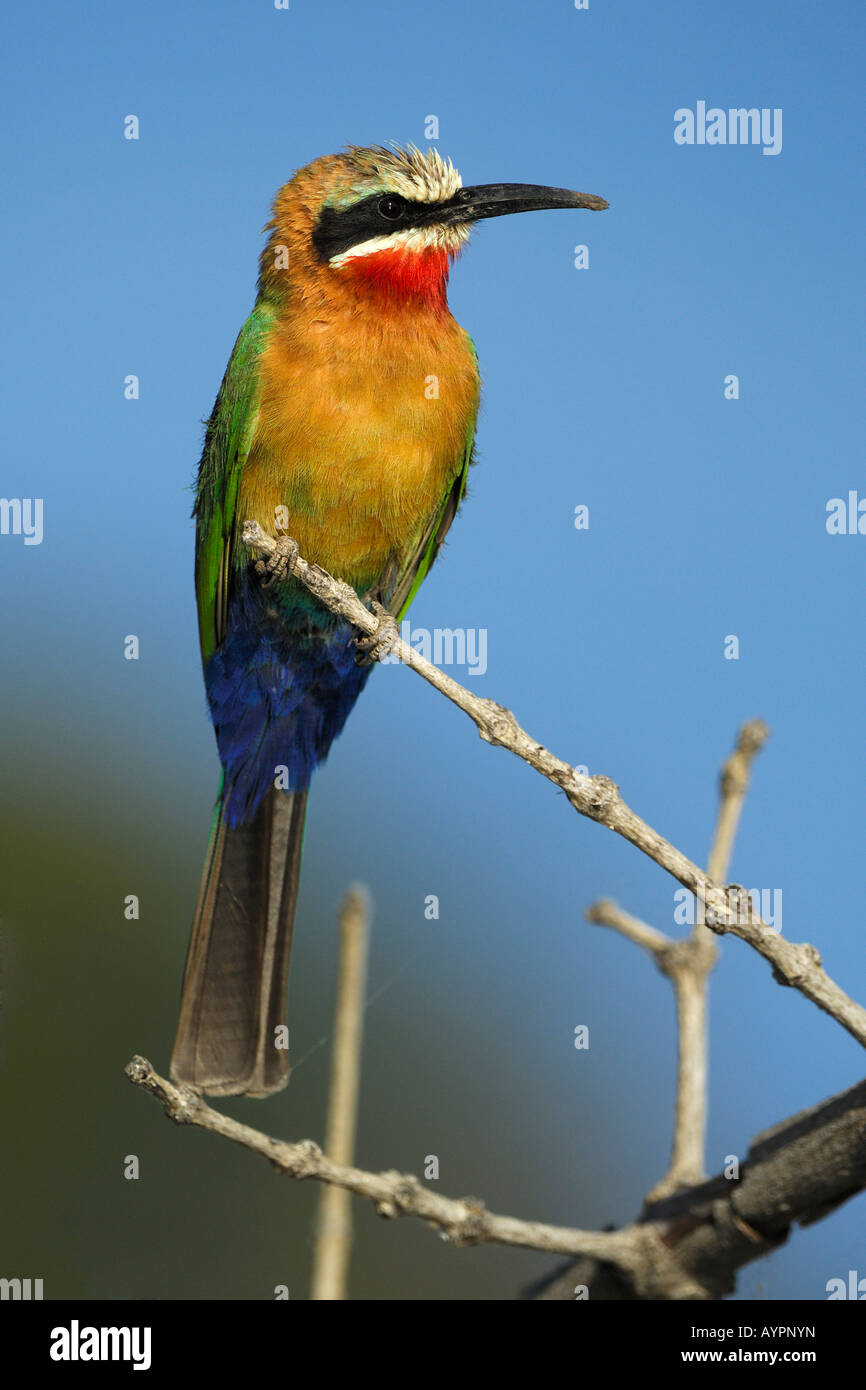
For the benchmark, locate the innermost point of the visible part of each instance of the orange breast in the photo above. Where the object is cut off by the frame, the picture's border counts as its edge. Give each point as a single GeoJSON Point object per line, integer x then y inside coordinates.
{"type": "Point", "coordinates": [363, 424]}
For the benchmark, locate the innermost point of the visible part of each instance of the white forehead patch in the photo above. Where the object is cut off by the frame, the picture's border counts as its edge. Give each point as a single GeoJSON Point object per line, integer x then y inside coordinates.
{"type": "Point", "coordinates": [425, 175]}
{"type": "Point", "coordinates": [421, 175]}
{"type": "Point", "coordinates": [411, 239]}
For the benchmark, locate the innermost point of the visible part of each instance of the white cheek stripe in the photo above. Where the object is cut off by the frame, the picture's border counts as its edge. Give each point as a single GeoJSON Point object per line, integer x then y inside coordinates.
{"type": "Point", "coordinates": [412, 239]}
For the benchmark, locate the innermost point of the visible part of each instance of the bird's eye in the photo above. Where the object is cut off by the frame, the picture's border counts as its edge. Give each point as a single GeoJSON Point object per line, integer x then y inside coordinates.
{"type": "Point", "coordinates": [391, 207]}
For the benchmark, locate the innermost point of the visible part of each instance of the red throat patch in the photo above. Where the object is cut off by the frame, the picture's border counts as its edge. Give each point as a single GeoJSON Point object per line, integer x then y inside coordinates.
{"type": "Point", "coordinates": [405, 274]}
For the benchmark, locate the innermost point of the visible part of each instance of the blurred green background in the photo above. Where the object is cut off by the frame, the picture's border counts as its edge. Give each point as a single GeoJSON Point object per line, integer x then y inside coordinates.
{"type": "Point", "coordinates": [602, 387]}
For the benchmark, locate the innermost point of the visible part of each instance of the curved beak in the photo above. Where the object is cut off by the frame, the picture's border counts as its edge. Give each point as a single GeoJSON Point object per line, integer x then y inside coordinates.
{"type": "Point", "coordinates": [499, 199]}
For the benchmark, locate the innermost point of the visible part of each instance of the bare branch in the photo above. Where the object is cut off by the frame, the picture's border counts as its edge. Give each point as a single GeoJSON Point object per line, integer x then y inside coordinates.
{"type": "Point", "coordinates": [687, 1247]}
{"type": "Point", "coordinates": [795, 1172]}
{"type": "Point", "coordinates": [334, 1222]}
{"type": "Point", "coordinates": [687, 970]}
{"type": "Point", "coordinates": [463, 1221]}
{"type": "Point", "coordinates": [733, 785]}
{"type": "Point", "coordinates": [606, 913]}
{"type": "Point", "coordinates": [727, 910]}
{"type": "Point", "coordinates": [689, 966]}
{"type": "Point", "coordinates": [689, 978]}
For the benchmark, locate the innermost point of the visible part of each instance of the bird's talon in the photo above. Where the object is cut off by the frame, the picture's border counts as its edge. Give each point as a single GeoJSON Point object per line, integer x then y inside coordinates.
{"type": "Point", "coordinates": [373, 646]}
{"type": "Point", "coordinates": [279, 564]}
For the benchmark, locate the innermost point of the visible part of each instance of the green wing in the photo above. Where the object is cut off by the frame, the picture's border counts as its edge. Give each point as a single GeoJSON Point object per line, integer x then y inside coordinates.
{"type": "Point", "coordinates": [429, 543]}
{"type": "Point", "coordinates": [228, 437]}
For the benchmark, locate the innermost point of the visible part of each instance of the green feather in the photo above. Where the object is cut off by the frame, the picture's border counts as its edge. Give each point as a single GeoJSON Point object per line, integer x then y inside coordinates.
{"type": "Point", "coordinates": [228, 438]}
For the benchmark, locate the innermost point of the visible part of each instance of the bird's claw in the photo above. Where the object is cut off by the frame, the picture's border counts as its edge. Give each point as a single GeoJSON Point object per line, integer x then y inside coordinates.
{"type": "Point", "coordinates": [373, 646]}
{"type": "Point", "coordinates": [279, 564]}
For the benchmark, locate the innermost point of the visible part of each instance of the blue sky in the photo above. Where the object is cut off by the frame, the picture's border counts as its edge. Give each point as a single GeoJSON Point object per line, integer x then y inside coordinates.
{"type": "Point", "coordinates": [602, 387]}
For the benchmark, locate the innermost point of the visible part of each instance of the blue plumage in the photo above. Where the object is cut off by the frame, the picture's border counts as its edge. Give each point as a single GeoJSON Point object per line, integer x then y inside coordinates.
{"type": "Point", "coordinates": [280, 688]}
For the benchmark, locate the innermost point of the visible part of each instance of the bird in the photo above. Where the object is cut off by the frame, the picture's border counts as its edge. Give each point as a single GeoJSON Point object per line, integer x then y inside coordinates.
{"type": "Point", "coordinates": [346, 419]}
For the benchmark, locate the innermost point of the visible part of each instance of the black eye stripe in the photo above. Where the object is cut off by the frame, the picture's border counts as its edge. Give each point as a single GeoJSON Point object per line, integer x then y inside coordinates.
{"type": "Point", "coordinates": [339, 229]}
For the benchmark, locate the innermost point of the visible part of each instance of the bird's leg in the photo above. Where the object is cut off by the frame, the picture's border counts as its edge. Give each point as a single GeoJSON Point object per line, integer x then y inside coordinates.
{"type": "Point", "coordinates": [279, 563]}
{"type": "Point", "coordinates": [374, 646]}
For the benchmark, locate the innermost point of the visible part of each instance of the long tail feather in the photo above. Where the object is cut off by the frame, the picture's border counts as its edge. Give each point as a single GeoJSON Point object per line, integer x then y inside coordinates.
{"type": "Point", "coordinates": [235, 981]}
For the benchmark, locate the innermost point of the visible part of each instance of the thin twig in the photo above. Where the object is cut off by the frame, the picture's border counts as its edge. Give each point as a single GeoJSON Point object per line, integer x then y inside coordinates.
{"type": "Point", "coordinates": [463, 1221]}
{"type": "Point", "coordinates": [606, 913]}
{"type": "Point", "coordinates": [689, 979]}
{"type": "Point", "coordinates": [686, 1248]}
{"type": "Point", "coordinates": [733, 786]}
{"type": "Point", "coordinates": [689, 966]}
{"type": "Point", "coordinates": [727, 909]}
{"type": "Point", "coordinates": [687, 970]}
{"type": "Point", "coordinates": [334, 1222]}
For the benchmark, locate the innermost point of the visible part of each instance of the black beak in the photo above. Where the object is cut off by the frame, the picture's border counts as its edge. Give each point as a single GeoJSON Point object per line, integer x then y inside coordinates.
{"type": "Point", "coordinates": [499, 199]}
{"type": "Point", "coordinates": [339, 229]}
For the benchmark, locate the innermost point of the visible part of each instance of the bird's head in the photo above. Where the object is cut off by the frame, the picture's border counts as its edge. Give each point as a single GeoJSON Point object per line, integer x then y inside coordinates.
{"type": "Point", "coordinates": [387, 221]}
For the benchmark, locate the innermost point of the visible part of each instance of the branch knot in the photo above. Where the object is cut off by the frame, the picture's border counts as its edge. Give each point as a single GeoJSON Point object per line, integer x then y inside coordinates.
{"type": "Point", "coordinates": [496, 724]}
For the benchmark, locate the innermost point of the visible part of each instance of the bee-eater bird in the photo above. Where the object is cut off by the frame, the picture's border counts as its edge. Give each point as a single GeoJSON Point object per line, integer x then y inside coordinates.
{"type": "Point", "coordinates": [345, 419]}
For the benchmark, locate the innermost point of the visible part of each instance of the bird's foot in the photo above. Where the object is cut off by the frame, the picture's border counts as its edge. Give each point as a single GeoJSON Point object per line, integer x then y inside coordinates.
{"type": "Point", "coordinates": [373, 646]}
{"type": "Point", "coordinates": [279, 564]}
